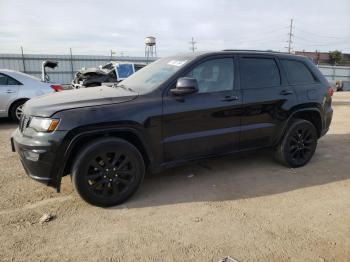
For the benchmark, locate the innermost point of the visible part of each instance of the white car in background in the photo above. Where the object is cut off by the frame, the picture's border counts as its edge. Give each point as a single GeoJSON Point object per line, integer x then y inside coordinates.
{"type": "Point", "coordinates": [16, 88]}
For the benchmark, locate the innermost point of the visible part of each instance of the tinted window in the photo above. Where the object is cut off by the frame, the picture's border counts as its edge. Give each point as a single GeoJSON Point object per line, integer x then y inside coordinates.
{"type": "Point", "coordinates": [260, 72]}
{"type": "Point", "coordinates": [11, 81]}
{"type": "Point", "coordinates": [3, 79]}
{"type": "Point", "coordinates": [6, 80]}
{"type": "Point", "coordinates": [297, 72]}
{"type": "Point", "coordinates": [214, 75]}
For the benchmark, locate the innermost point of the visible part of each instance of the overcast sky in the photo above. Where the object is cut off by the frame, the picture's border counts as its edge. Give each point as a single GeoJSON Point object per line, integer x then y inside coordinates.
{"type": "Point", "coordinates": [96, 27]}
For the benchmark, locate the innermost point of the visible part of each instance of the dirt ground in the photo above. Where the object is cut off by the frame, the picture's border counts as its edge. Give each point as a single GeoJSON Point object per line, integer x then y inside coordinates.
{"type": "Point", "coordinates": [245, 206]}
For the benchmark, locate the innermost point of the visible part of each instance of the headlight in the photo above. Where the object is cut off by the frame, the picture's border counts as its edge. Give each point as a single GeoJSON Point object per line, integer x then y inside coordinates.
{"type": "Point", "coordinates": [43, 124]}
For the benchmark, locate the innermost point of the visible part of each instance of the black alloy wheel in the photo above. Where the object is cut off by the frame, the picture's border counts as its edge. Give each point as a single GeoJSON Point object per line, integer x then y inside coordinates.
{"type": "Point", "coordinates": [298, 145]}
{"type": "Point", "coordinates": [108, 171]}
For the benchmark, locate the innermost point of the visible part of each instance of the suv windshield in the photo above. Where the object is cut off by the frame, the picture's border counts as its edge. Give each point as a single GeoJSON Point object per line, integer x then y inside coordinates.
{"type": "Point", "coordinates": [154, 74]}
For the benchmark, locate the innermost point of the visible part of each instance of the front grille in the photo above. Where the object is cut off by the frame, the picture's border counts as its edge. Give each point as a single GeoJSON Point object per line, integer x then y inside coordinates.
{"type": "Point", "coordinates": [24, 122]}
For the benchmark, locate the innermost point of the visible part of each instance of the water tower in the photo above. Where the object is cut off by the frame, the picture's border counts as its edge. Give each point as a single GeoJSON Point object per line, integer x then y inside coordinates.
{"type": "Point", "coordinates": [150, 48]}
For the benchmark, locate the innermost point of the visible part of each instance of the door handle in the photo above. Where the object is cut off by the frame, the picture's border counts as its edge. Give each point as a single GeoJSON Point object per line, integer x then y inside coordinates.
{"type": "Point", "coordinates": [10, 91]}
{"type": "Point", "coordinates": [286, 92]}
{"type": "Point", "coordinates": [229, 98]}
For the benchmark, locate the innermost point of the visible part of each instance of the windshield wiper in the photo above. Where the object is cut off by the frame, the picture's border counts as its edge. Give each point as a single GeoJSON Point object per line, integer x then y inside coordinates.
{"type": "Point", "coordinates": [124, 87]}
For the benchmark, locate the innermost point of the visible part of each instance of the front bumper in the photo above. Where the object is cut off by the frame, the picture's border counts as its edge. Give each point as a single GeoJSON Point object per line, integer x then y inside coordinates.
{"type": "Point", "coordinates": [39, 155]}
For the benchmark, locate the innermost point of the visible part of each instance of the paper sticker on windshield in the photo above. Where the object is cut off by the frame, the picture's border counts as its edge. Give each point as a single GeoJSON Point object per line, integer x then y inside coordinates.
{"type": "Point", "coordinates": [177, 62]}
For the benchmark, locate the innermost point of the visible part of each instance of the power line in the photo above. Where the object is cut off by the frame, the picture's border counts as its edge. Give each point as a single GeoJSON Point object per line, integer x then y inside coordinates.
{"type": "Point", "coordinates": [322, 36]}
{"type": "Point", "coordinates": [193, 45]}
{"type": "Point", "coordinates": [317, 43]}
{"type": "Point", "coordinates": [253, 36]}
{"type": "Point", "coordinates": [257, 39]}
{"type": "Point", "coordinates": [261, 34]}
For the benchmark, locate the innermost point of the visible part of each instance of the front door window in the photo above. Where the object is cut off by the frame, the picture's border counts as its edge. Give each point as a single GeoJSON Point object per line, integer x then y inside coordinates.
{"type": "Point", "coordinates": [214, 76]}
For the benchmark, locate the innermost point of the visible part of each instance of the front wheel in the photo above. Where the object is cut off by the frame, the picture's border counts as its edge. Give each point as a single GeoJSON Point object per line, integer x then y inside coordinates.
{"type": "Point", "coordinates": [298, 145]}
{"type": "Point", "coordinates": [108, 171]}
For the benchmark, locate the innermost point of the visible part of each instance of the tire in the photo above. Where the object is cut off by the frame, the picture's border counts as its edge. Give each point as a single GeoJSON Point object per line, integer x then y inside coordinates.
{"type": "Point", "coordinates": [298, 144]}
{"type": "Point", "coordinates": [16, 110]}
{"type": "Point", "coordinates": [108, 171]}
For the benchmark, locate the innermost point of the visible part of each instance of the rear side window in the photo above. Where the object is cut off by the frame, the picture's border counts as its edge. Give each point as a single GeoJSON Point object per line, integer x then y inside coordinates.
{"type": "Point", "coordinates": [11, 81]}
{"type": "Point", "coordinates": [6, 80]}
{"type": "Point", "coordinates": [297, 72]}
{"type": "Point", "coordinates": [260, 72]}
{"type": "Point", "coordinates": [3, 79]}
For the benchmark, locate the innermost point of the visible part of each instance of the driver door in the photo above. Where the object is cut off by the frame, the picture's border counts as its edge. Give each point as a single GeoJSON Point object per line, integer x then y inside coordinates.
{"type": "Point", "coordinates": [207, 122]}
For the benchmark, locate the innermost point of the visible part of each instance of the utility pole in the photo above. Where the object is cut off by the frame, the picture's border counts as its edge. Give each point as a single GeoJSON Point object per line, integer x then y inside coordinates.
{"type": "Point", "coordinates": [71, 61]}
{"type": "Point", "coordinates": [290, 35]}
{"type": "Point", "coordinates": [23, 61]}
{"type": "Point", "coordinates": [193, 45]}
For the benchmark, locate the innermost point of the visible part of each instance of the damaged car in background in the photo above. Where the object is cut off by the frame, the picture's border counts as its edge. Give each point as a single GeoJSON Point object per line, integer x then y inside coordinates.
{"type": "Point", "coordinates": [113, 72]}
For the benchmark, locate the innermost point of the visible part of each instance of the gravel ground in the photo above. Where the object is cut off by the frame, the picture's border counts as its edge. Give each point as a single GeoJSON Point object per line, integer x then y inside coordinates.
{"type": "Point", "coordinates": [245, 206]}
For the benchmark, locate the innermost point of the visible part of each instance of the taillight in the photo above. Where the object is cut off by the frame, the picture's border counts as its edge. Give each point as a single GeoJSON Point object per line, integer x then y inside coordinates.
{"type": "Point", "coordinates": [330, 91]}
{"type": "Point", "coordinates": [57, 88]}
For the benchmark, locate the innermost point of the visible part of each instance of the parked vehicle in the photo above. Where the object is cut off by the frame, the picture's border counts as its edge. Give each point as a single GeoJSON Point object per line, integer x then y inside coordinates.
{"type": "Point", "coordinates": [346, 86]}
{"type": "Point", "coordinates": [16, 88]}
{"type": "Point", "coordinates": [175, 110]}
{"type": "Point", "coordinates": [113, 72]}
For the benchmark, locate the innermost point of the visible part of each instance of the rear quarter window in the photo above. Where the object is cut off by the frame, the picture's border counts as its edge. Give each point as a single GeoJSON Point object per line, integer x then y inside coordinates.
{"type": "Point", "coordinates": [3, 79]}
{"type": "Point", "coordinates": [11, 81]}
{"type": "Point", "coordinates": [7, 80]}
{"type": "Point", "coordinates": [297, 72]}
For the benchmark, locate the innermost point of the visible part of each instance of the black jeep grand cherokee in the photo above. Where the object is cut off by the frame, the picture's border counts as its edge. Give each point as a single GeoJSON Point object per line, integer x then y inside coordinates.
{"type": "Point", "coordinates": [174, 110]}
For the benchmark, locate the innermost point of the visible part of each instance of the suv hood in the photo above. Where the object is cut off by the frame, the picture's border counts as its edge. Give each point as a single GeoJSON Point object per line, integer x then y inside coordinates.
{"type": "Point", "coordinates": [47, 105]}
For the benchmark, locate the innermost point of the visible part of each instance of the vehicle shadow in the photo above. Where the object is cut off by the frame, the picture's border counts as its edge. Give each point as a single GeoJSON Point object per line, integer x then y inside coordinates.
{"type": "Point", "coordinates": [244, 176]}
{"type": "Point", "coordinates": [6, 123]}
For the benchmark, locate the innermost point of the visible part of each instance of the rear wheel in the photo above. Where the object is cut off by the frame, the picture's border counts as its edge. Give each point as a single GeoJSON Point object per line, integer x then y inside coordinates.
{"type": "Point", "coordinates": [16, 110]}
{"type": "Point", "coordinates": [108, 171]}
{"type": "Point", "coordinates": [298, 145]}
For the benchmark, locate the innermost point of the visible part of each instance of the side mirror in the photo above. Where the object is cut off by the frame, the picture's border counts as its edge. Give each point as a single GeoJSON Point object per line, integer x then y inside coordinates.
{"type": "Point", "coordinates": [185, 85]}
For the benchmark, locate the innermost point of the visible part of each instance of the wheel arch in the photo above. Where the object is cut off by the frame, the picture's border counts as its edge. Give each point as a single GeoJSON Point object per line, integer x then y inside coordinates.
{"type": "Point", "coordinates": [83, 138]}
{"type": "Point", "coordinates": [14, 102]}
{"type": "Point", "coordinates": [310, 114]}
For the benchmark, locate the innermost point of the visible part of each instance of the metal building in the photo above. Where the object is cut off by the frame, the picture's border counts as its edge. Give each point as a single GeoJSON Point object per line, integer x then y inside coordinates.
{"type": "Point", "coordinates": [67, 64]}
{"type": "Point", "coordinates": [333, 73]}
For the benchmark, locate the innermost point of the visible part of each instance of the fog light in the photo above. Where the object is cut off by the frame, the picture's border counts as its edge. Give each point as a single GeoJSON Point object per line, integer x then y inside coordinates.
{"type": "Point", "coordinates": [32, 155]}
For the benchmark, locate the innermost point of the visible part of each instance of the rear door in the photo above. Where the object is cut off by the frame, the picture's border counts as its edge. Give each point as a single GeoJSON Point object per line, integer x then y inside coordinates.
{"type": "Point", "coordinates": [8, 92]}
{"type": "Point", "coordinates": [207, 122]}
{"type": "Point", "coordinates": [267, 99]}
{"type": "Point", "coordinates": [304, 82]}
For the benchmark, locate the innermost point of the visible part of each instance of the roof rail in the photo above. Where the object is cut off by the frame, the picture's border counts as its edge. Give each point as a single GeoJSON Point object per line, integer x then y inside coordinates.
{"type": "Point", "coordinates": [250, 50]}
